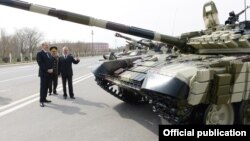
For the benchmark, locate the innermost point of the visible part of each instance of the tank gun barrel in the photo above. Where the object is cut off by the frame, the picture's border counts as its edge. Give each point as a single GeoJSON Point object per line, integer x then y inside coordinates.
{"type": "Point", "coordinates": [90, 21]}
{"type": "Point", "coordinates": [121, 36]}
{"type": "Point", "coordinates": [135, 41]}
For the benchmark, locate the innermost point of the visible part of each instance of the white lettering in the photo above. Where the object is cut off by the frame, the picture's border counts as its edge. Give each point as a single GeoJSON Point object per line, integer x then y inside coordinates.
{"type": "Point", "coordinates": [199, 134]}
{"type": "Point", "coordinates": [166, 132]}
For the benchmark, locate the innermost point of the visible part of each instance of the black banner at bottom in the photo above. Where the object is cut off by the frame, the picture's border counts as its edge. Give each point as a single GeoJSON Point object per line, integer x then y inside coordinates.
{"type": "Point", "coordinates": [194, 132]}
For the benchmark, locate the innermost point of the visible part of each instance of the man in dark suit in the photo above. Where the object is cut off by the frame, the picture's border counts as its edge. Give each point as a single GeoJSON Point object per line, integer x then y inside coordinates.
{"type": "Point", "coordinates": [66, 71]}
{"type": "Point", "coordinates": [54, 76]}
{"type": "Point", "coordinates": [45, 70]}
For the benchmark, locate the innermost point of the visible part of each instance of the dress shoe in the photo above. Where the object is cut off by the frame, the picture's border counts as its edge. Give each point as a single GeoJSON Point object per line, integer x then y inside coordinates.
{"type": "Point", "coordinates": [72, 97]}
{"type": "Point", "coordinates": [47, 101]}
{"type": "Point", "coordinates": [41, 104]}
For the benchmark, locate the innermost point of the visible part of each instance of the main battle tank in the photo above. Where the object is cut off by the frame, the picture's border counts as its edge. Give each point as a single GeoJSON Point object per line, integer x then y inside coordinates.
{"type": "Point", "coordinates": [207, 80]}
{"type": "Point", "coordinates": [132, 49]}
{"type": "Point", "coordinates": [133, 44]}
{"type": "Point", "coordinates": [143, 44]}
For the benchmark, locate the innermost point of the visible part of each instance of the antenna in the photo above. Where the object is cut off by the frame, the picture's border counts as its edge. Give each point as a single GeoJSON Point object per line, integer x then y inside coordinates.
{"type": "Point", "coordinates": [245, 11]}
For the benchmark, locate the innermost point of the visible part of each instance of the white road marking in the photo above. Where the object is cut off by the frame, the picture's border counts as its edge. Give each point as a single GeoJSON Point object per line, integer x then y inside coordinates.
{"type": "Point", "coordinates": [18, 64]}
{"type": "Point", "coordinates": [2, 91]}
{"type": "Point", "coordinates": [24, 67]}
{"type": "Point", "coordinates": [35, 97]}
{"type": "Point", "coordinates": [16, 69]}
{"type": "Point", "coordinates": [18, 101]}
{"type": "Point", "coordinates": [37, 94]}
{"type": "Point", "coordinates": [18, 107]}
{"type": "Point", "coordinates": [17, 78]}
{"type": "Point", "coordinates": [11, 79]}
{"type": "Point", "coordinates": [89, 74]}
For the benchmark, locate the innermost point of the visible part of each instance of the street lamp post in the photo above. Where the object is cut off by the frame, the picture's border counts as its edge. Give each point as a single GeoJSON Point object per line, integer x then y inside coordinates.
{"type": "Point", "coordinates": [92, 33]}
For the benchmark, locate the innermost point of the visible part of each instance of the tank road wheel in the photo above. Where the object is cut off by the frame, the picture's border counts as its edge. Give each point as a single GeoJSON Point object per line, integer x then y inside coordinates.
{"type": "Point", "coordinates": [243, 112]}
{"type": "Point", "coordinates": [219, 114]}
{"type": "Point", "coordinates": [245, 118]}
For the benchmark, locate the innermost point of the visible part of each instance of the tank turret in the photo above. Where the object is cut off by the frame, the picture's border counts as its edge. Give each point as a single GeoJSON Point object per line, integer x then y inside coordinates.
{"type": "Point", "coordinates": [231, 38]}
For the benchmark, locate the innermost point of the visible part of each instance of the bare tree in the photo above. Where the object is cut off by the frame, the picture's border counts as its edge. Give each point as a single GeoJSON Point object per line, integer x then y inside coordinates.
{"type": "Point", "coordinates": [15, 50]}
{"type": "Point", "coordinates": [28, 39]}
{"type": "Point", "coordinates": [33, 38]}
{"type": "Point", "coordinates": [20, 40]}
{"type": "Point", "coordinates": [5, 43]}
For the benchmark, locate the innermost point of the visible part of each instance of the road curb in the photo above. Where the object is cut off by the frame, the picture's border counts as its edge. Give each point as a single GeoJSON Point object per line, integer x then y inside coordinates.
{"type": "Point", "coordinates": [18, 64]}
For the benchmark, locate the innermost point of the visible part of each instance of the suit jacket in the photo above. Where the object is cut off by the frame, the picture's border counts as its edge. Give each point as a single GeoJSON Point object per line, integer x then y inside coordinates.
{"type": "Point", "coordinates": [65, 65]}
{"type": "Point", "coordinates": [44, 61]}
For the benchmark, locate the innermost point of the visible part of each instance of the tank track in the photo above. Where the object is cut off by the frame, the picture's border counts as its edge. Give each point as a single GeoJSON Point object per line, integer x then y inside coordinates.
{"type": "Point", "coordinates": [171, 110]}
{"type": "Point", "coordinates": [166, 107]}
{"type": "Point", "coordinates": [118, 92]}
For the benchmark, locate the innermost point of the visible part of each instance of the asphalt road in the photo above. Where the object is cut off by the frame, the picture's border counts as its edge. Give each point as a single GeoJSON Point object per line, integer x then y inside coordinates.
{"type": "Point", "coordinates": [94, 115]}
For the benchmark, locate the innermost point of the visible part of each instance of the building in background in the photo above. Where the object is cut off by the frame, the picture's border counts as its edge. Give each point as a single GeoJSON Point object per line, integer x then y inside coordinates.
{"type": "Point", "coordinates": [83, 48]}
{"type": "Point", "coordinates": [97, 48]}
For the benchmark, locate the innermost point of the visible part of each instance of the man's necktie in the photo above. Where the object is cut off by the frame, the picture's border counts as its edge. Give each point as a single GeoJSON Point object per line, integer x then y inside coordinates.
{"type": "Point", "coordinates": [48, 55]}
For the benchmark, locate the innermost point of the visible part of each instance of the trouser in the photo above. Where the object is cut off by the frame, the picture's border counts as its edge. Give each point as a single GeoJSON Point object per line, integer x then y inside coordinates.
{"type": "Point", "coordinates": [70, 85]}
{"type": "Point", "coordinates": [53, 83]}
{"type": "Point", "coordinates": [44, 85]}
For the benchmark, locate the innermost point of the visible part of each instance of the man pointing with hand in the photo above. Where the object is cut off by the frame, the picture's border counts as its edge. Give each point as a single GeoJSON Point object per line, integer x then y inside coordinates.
{"type": "Point", "coordinates": [65, 67]}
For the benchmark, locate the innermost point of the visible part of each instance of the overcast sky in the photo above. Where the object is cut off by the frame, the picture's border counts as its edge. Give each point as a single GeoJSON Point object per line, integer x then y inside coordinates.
{"type": "Point", "coordinates": [167, 17]}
